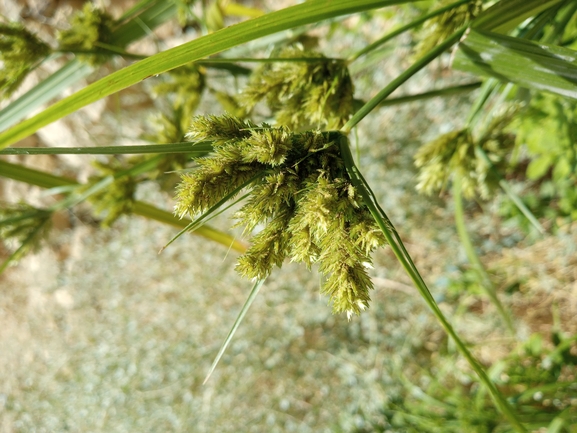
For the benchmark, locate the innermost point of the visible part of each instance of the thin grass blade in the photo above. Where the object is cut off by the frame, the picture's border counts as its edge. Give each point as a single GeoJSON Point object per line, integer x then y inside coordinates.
{"type": "Point", "coordinates": [46, 180]}
{"type": "Point", "coordinates": [299, 15]}
{"type": "Point", "coordinates": [215, 210]}
{"type": "Point", "coordinates": [149, 15]}
{"type": "Point", "coordinates": [251, 297]}
{"type": "Point", "coordinates": [195, 150]}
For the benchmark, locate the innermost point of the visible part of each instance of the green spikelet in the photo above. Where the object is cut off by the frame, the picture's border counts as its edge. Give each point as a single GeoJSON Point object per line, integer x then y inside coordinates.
{"type": "Point", "coordinates": [442, 26]}
{"type": "Point", "coordinates": [299, 192]}
{"type": "Point", "coordinates": [90, 30]}
{"type": "Point", "coordinates": [315, 93]}
{"type": "Point", "coordinates": [117, 198]}
{"type": "Point", "coordinates": [184, 86]}
{"type": "Point", "coordinates": [20, 52]}
{"type": "Point", "coordinates": [453, 154]}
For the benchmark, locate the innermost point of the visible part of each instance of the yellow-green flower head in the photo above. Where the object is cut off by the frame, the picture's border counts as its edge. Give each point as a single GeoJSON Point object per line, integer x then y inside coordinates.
{"type": "Point", "coordinates": [310, 91]}
{"type": "Point", "coordinates": [458, 154]}
{"type": "Point", "coordinates": [442, 26]}
{"type": "Point", "coordinates": [299, 190]}
{"type": "Point", "coordinates": [115, 198]}
{"type": "Point", "coordinates": [90, 31]}
{"type": "Point", "coordinates": [20, 52]}
{"type": "Point", "coordinates": [184, 86]}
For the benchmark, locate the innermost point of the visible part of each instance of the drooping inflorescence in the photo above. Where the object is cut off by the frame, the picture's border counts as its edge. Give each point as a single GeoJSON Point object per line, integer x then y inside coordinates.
{"type": "Point", "coordinates": [299, 191]}
{"type": "Point", "coordinates": [20, 52]}
{"type": "Point", "coordinates": [90, 31]}
{"type": "Point", "coordinates": [306, 91]}
{"type": "Point", "coordinates": [474, 160]}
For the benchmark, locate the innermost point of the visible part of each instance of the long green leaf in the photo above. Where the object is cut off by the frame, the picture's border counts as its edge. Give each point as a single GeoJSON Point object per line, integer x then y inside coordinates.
{"type": "Point", "coordinates": [46, 180]}
{"type": "Point", "coordinates": [196, 149]}
{"type": "Point", "coordinates": [397, 82]}
{"type": "Point", "coordinates": [149, 15]}
{"type": "Point", "coordinates": [529, 64]}
{"type": "Point", "coordinates": [251, 297]}
{"type": "Point", "coordinates": [484, 279]}
{"type": "Point", "coordinates": [506, 14]}
{"type": "Point", "coordinates": [383, 40]}
{"type": "Point", "coordinates": [306, 13]}
{"type": "Point", "coordinates": [402, 255]}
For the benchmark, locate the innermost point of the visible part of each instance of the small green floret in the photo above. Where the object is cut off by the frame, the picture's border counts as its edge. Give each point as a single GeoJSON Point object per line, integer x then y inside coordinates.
{"type": "Point", "coordinates": [184, 86]}
{"type": "Point", "coordinates": [20, 53]}
{"type": "Point", "coordinates": [309, 92]}
{"type": "Point", "coordinates": [442, 26]}
{"type": "Point", "coordinates": [115, 199]}
{"type": "Point", "coordinates": [299, 192]}
{"type": "Point", "coordinates": [90, 31]}
{"type": "Point", "coordinates": [455, 154]}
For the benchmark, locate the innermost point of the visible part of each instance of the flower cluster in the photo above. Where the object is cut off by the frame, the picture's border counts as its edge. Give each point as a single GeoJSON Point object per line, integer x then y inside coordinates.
{"type": "Point", "coordinates": [115, 199]}
{"type": "Point", "coordinates": [457, 154]}
{"type": "Point", "coordinates": [442, 26]}
{"type": "Point", "coordinates": [20, 52]}
{"type": "Point", "coordinates": [91, 31]}
{"type": "Point", "coordinates": [25, 224]}
{"type": "Point", "coordinates": [299, 192]}
{"type": "Point", "coordinates": [307, 90]}
{"type": "Point", "coordinates": [185, 85]}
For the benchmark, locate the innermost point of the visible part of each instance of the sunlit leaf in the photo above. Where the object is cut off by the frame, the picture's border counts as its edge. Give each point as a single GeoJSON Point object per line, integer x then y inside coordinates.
{"type": "Point", "coordinates": [529, 64]}
{"type": "Point", "coordinates": [306, 13]}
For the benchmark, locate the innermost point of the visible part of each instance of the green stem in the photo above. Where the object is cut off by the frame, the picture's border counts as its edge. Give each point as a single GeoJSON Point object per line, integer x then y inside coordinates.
{"type": "Point", "coordinates": [45, 180]}
{"type": "Point", "coordinates": [200, 149]}
{"type": "Point", "coordinates": [510, 193]}
{"type": "Point", "coordinates": [397, 82]}
{"type": "Point", "coordinates": [473, 258]}
{"type": "Point", "coordinates": [430, 94]}
{"type": "Point", "coordinates": [403, 29]}
{"type": "Point", "coordinates": [404, 258]}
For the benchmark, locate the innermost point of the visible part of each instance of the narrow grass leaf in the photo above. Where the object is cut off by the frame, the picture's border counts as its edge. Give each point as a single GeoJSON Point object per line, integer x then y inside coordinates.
{"type": "Point", "coordinates": [150, 14]}
{"type": "Point", "coordinates": [215, 210]}
{"type": "Point", "coordinates": [383, 40]}
{"type": "Point", "coordinates": [529, 64]}
{"type": "Point", "coordinates": [299, 15]}
{"type": "Point", "coordinates": [402, 255]}
{"type": "Point", "coordinates": [397, 82]}
{"type": "Point", "coordinates": [46, 180]}
{"type": "Point", "coordinates": [204, 218]}
{"type": "Point", "coordinates": [251, 297]}
{"type": "Point", "coordinates": [506, 14]}
{"type": "Point", "coordinates": [484, 279]}
{"type": "Point", "coordinates": [193, 149]}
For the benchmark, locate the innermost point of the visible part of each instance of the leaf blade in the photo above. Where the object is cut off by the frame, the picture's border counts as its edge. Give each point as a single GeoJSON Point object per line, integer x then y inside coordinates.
{"type": "Point", "coordinates": [302, 14]}
{"type": "Point", "coordinates": [542, 67]}
{"type": "Point", "coordinates": [251, 297]}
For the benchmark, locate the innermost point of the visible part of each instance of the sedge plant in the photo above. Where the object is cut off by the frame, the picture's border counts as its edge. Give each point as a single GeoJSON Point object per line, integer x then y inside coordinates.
{"type": "Point", "coordinates": [300, 190]}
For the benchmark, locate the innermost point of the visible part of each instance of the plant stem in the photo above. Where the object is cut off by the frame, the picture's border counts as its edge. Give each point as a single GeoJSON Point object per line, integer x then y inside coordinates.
{"type": "Point", "coordinates": [45, 180]}
{"type": "Point", "coordinates": [397, 82]}
{"type": "Point", "coordinates": [404, 258]}
{"type": "Point", "coordinates": [473, 258]}
{"type": "Point", "coordinates": [200, 148]}
{"type": "Point", "coordinates": [510, 193]}
{"type": "Point", "coordinates": [430, 94]}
